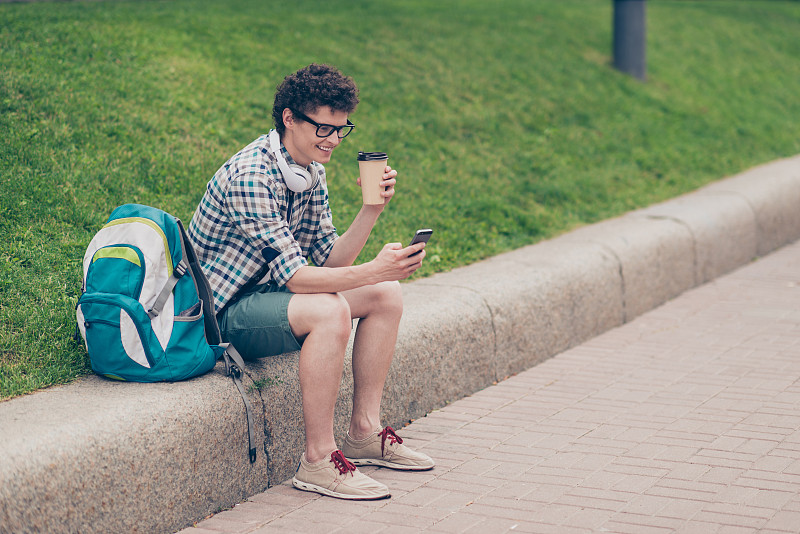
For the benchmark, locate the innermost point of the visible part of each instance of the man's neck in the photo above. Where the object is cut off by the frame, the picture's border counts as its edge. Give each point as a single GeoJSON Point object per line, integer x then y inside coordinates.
{"type": "Point", "coordinates": [291, 148]}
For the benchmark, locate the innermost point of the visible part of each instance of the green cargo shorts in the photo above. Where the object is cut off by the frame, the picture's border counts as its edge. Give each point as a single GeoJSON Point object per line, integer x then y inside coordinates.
{"type": "Point", "coordinates": [257, 322]}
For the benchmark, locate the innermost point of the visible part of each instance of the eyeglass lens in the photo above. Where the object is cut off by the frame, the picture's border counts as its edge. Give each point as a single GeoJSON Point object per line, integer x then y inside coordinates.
{"type": "Point", "coordinates": [324, 130]}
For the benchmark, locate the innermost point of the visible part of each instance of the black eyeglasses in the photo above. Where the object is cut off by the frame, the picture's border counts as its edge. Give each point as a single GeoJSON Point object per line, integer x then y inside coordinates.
{"type": "Point", "coordinates": [325, 130]}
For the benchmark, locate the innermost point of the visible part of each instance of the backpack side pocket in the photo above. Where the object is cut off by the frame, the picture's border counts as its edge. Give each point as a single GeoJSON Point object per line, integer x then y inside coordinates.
{"type": "Point", "coordinates": [119, 338]}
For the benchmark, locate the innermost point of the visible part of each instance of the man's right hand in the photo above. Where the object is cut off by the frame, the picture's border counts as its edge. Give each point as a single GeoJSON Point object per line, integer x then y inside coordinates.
{"type": "Point", "coordinates": [395, 262]}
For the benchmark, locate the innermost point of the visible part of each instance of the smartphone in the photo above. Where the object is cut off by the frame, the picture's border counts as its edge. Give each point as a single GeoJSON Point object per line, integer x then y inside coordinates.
{"type": "Point", "coordinates": [421, 236]}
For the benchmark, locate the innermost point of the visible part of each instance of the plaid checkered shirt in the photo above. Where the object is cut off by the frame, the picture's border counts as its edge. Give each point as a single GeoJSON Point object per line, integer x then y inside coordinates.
{"type": "Point", "coordinates": [250, 228]}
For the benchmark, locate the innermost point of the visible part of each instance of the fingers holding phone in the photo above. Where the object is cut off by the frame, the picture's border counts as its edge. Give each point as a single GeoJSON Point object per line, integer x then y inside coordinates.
{"type": "Point", "coordinates": [397, 262]}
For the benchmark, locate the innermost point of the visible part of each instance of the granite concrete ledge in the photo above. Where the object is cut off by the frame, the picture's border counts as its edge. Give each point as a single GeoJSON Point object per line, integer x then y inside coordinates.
{"type": "Point", "coordinates": [771, 191]}
{"type": "Point", "coordinates": [103, 456]}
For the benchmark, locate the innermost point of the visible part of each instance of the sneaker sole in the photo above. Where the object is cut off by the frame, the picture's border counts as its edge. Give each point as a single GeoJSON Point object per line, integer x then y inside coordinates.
{"type": "Point", "coordinates": [360, 462]}
{"type": "Point", "coordinates": [305, 486]}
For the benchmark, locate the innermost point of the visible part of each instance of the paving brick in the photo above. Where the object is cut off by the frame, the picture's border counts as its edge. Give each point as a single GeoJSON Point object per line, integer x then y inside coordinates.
{"type": "Point", "coordinates": [589, 519]}
{"type": "Point", "coordinates": [285, 496]}
{"type": "Point", "coordinates": [646, 504]}
{"type": "Point", "coordinates": [562, 460]}
{"type": "Point", "coordinates": [332, 519]}
{"type": "Point", "coordinates": [729, 529]}
{"type": "Point", "coordinates": [546, 493]}
{"type": "Point", "coordinates": [476, 466]}
{"type": "Point", "coordinates": [452, 501]}
{"type": "Point", "coordinates": [641, 466]}
{"type": "Point", "coordinates": [293, 525]}
{"type": "Point", "coordinates": [736, 494]}
{"type": "Point", "coordinates": [774, 500]}
{"type": "Point", "coordinates": [718, 458]}
{"type": "Point", "coordinates": [793, 505]}
{"type": "Point", "coordinates": [358, 526]}
{"type": "Point", "coordinates": [680, 493]}
{"type": "Point", "coordinates": [591, 502]}
{"type": "Point", "coordinates": [501, 511]}
{"type": "Point", "coordinates": [612, 448]}
{"type": "Point", "coordinates": [627, 528]}
{"type": "Point", "coordinates": [646, 522]}
{"type": "Point", "coordinates": [459, 522]}
{"type": "Point", "coordinates": [699, 527]}
{"type": "Point", "coordinates": [511, 503]}
{"type": "Point", "coordinates": [681, 509]}
{"type": "Point", "coordinates": [400, 519]}
{"type": "Point", "coordinates": [687, 471]}
{"type": "Point", "coordinates": [227, 525]}
{"type": "Point", "coordinates": [676, 453]}
{"type": "Point", "coordinates": [557, 514]}
{"type": "Point", "coordinates": [636, 483]}
{"type": "Point", "coordinates": [720, 475]}
{"type": "Point", "coordinates": [784, 521]}
{"type": "Point", "coordinates": [720, 518]}
{"type": "Point", "coordinates": [456, 485]}
{"type": "Point", "coordinates": [420, 497]}
{"type": "Point", "coordinates": [403, 509]}
{"type": "Point", "coordinates": [592, 461]}
{"type": "Point", "coordinates": [567, 480]}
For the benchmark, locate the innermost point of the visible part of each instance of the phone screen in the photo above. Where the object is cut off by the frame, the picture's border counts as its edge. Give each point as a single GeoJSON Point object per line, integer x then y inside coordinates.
{"type": "Point", "coordinates": [422, 236]}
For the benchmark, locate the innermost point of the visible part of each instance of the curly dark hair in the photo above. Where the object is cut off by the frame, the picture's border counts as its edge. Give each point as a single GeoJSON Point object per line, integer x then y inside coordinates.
{"type": "Point", "coordinates": [311, 87]}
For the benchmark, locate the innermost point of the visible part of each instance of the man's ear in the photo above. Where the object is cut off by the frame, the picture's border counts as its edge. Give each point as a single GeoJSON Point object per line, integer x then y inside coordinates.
{"type": "Point", "coordinates": [288, 118]}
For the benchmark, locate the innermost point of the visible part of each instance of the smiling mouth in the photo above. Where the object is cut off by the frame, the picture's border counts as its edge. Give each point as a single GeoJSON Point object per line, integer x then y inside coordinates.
{"type": "Point", "coordinates": [325, 149]}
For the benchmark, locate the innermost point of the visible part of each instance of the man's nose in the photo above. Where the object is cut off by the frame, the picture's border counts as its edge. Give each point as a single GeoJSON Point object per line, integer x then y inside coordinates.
{"type": "Point", "coordinates": [334, 138]}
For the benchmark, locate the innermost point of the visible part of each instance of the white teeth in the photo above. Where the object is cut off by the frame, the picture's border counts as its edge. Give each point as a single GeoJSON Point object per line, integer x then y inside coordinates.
{"type": "Point", "coordinates": [324, 149]}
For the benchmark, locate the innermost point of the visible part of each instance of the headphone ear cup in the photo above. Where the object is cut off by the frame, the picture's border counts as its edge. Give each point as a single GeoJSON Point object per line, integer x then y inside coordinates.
{"type": "Point", "coordinates": [298, 179]}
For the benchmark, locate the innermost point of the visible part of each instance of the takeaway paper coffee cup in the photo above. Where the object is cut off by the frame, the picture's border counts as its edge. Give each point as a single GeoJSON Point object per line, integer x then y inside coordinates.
{"type": "Point", "coordinates": [371, 166]}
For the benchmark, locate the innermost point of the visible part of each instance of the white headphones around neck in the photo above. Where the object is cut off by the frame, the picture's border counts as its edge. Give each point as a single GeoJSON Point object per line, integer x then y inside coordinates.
{"type": "Point", "coordinates": [296, 177]}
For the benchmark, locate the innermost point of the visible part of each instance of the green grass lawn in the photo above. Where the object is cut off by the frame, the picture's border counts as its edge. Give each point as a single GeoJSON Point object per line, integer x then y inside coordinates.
{"type": "Point", "coordinates": [503, 117]}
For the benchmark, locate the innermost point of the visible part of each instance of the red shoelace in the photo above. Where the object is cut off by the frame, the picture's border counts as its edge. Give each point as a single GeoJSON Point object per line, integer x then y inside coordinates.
{"type": "Point", "coordinates": [342, 464]}
{"type": "Point", "coordinates": [389, 432]}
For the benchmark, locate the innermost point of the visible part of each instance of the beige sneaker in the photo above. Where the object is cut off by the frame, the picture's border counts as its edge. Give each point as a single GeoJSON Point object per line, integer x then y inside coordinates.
{"type": "Point", "coordinates": [338, 478]}
{"type": "Point", "coordinates": [385, 448]}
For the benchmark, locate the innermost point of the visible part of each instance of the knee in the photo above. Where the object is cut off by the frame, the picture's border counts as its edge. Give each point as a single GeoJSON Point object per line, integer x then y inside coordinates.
{"type": "Point", "coordinates": [332, 317]}
{"type": "Point", "coordinates": [389, 298]}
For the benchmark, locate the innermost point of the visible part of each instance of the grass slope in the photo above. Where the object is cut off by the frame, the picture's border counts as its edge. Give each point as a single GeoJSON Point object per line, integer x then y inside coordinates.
{"type": "Point", "coordinates": [504, 119]}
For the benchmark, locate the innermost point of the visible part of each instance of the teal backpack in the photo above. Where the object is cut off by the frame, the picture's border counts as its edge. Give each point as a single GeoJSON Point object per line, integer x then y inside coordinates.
{"type": "Point", "coordinates": [146, 312]}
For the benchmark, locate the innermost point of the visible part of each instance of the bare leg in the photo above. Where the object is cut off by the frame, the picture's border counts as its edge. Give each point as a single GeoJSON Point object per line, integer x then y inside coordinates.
{"type": "Point", "coordinates": [324, 321]}
{"type": "Point", "coordinates": [379, 309]}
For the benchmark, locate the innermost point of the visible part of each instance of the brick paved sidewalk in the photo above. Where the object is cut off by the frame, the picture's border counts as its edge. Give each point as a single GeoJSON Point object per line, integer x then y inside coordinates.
{"type": "Point", "coordinates": [686, 419]}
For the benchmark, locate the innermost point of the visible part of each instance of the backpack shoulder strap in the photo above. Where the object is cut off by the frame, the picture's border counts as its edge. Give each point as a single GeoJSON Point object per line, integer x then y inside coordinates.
{"type": "Point", "coordinates": [176, 275]}
{"type": "Point", "coordinates": [234, 366]}
{"type": "Point", "coordinates": [213, 335]}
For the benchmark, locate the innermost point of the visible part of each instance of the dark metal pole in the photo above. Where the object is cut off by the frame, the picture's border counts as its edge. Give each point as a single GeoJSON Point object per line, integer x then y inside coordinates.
{"type": "Point", "coordinates": [629, 37]}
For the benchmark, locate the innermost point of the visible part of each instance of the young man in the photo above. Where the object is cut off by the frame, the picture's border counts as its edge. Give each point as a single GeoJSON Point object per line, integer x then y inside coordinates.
{"type": "Point", "coordinates": [264, 214]}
